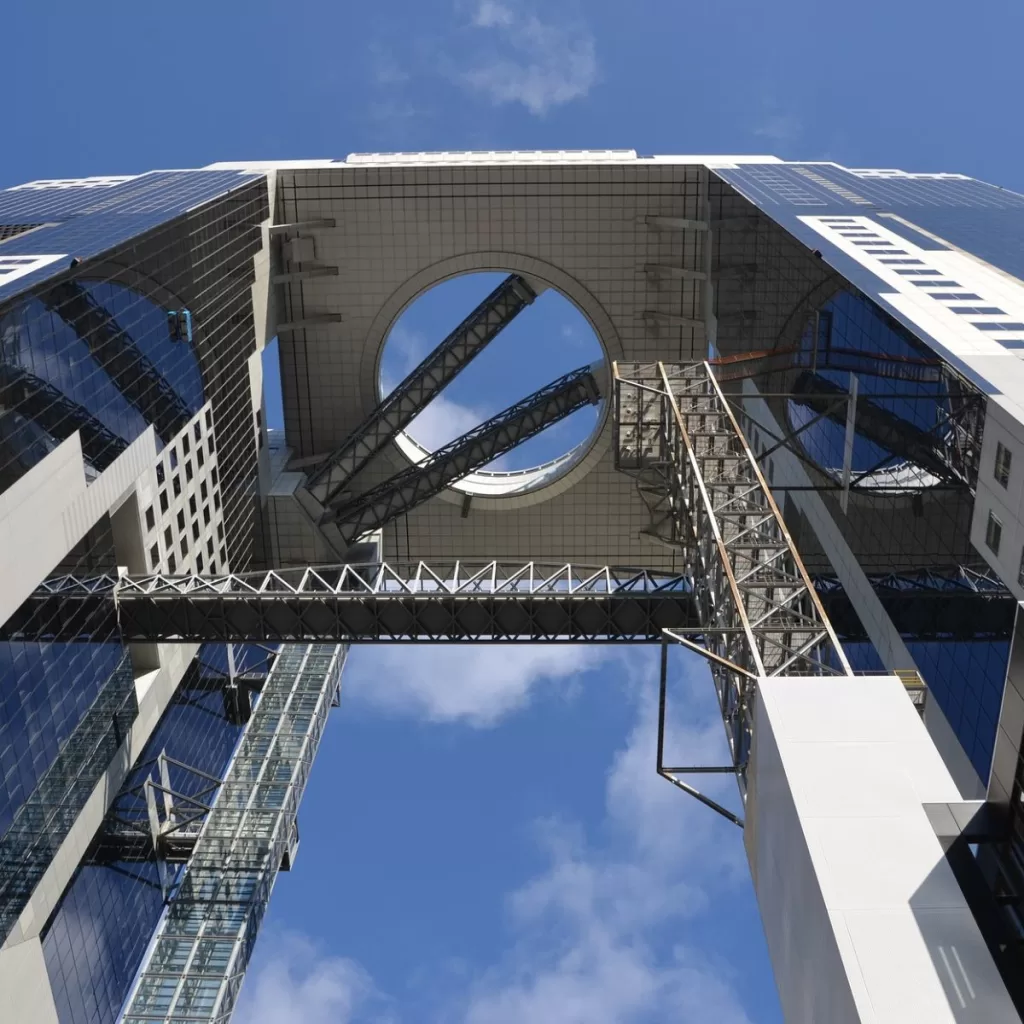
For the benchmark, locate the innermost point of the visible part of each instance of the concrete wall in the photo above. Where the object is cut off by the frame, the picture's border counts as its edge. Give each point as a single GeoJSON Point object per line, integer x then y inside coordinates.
{"type": "Point", "coordinates": [864, 919]}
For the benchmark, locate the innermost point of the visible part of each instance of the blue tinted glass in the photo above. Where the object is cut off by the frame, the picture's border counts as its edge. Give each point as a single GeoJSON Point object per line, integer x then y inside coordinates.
{"type": "Point", "coordinates": [99, 933]}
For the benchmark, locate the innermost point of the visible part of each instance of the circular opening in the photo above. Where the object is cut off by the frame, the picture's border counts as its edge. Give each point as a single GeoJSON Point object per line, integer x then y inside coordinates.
{"type": "Point", "coordinates": [548, 339]}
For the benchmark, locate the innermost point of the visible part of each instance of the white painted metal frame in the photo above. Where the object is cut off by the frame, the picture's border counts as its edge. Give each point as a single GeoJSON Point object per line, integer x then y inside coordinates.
{"type": "Point", "coordinates": [707, 494]}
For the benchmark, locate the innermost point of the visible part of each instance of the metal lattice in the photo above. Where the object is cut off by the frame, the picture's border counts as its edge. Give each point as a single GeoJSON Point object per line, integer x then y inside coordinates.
{"type": "Point", "coordinates": [707, 495]}
{"type": "Point", "coordinates": [420, 387]}
{"type": "Point", "coordinates": [461, 601]}
{"type": "Point", "coordinates": [464, 455]}
{"type": "Point", "coordinates": [197, 963]}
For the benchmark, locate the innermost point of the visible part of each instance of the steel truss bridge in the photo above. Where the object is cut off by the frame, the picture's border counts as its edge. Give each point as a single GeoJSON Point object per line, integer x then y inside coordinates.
{"type": "Point", "coordinates": [743, 598]}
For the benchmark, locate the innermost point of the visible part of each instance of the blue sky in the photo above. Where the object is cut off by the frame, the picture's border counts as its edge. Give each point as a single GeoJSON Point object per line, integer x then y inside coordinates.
{"type": "Point", "coordinates": [484, 838]}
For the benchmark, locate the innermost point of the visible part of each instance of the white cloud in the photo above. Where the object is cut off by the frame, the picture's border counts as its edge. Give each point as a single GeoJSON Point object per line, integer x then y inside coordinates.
{"type": "Point", "coordinates": [607, 932]}
{"type": "Point", "coordinates": [294, 983]}
{"type": "Point", "coordinates": [472, 683]}
{"type": "Point", "coordinates": [538, 62]}
{"type": "Point", "coordinates": [442, 420]}
{"type": "Point", "coordinates": [490, 14]}
{"type": "Point", "coordinates": [779, 128]}
{"type": "Point", "coordinates": [588, 949]}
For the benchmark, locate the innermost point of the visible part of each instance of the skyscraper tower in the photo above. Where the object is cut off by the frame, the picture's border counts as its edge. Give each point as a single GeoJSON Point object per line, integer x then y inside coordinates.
{"type": "Point", "coordinates": [805, 467]}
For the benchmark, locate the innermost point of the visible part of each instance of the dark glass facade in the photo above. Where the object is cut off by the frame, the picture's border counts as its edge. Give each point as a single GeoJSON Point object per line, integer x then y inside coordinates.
{"type": "Point", "coordinates": [145, 316]}
{"type": "Point", "coordinates": [96, 938]}
{"type": "Point", "coordinates": [982, 219]}
{"type": "Point", "coordinates": [918, 419]}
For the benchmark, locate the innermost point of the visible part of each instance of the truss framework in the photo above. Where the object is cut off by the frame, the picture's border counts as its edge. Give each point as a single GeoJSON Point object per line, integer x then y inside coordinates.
{"type": "Point", "coordinates": [500, 434]}
{"type": "Point", "coordinates": [420, 387]}
{"type": "Point", "coordinates": [957, 603]}
{"type": "Point", "coordinates": [677, 434]}
{"type": "Point", "coordinates": [202, 947]}
{"type": "Point", "coordinates": [457, 602]}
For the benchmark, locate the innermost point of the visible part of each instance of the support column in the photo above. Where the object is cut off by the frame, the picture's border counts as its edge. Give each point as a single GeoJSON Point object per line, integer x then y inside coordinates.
{"type": "Point", "coordinates": [864, 918]}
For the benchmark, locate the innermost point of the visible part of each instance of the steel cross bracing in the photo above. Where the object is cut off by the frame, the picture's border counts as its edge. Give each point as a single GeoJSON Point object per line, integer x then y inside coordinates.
{"type": "Point", "coordinates": [202, 947]}
{"type": "Point", "coordinates": [498, 435]}
{"type": "Point", "coordinates": [755, 600]}
{"type": "Point", "coordinates": [461, 601]}
{"type": "Point", "coordinates": [423, 384]}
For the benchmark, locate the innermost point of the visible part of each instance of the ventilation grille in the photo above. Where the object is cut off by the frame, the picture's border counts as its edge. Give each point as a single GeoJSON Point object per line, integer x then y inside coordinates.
{"type": "Point", "coordinates": [10, 230]}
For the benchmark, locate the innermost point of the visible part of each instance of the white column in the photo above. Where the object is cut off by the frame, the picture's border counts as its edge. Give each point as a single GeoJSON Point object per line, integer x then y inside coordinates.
{"type": "Point", "coordinates": [864, 919]}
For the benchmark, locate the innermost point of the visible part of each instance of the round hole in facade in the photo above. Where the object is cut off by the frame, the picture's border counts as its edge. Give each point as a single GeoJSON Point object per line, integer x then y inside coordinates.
{"type": "Point", "coordinates": [549, 338]}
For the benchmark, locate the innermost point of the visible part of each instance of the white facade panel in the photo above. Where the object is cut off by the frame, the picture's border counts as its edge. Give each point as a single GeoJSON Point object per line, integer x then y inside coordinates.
{"type": "Point", "coordinates": [864, 919]}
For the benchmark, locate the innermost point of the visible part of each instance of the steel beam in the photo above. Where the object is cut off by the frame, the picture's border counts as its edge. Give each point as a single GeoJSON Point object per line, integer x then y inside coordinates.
{"type": "Point", "coordinates": [302, 225]}
{"type": "Point", "coordinates": [482, 601]}
{"type": "Point", "coordinates": [754, 596]}
{"type": "Point", "coordinates": [420, 387]}
{"type": "Point", "coordinates": [121, 359]}
{"type": "Point", "coordinates": [194, 969]}
{"type": "Point", "coordinates": [314, 320]}
{"type": "Point", "coordinates": [498, 435]}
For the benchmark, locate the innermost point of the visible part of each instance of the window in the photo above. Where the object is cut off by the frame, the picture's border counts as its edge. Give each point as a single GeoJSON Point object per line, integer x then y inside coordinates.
{"type": "Point", "coordinates": [177, 486]}
{"type": "Point", "coordinates": [185, 446]}
{"type": "Point", "coordinates": [197, 430]}
{"type": "Point", "coordinates": [200, 457]}
{"type": "Point", "coordinates": [150, 518]}
{"type": "Point", "coordinates": [220, 533]}
{"type": "Point", "coordinates": [168, 537]}
{"type": "Point", "coordinates": [159, 472]}
{"type": "Point", "coordinates": [1003, 459]}
{"type": "Point", "coordinates": [213, 474]}
{"type": "Point", "coordinates": [163, 501]}
{"type": "Point", "coordinates": [216, 499]}
{"type": "Point", "coordinates": [988, 326]}
{"type": "Point", "coordinates": [993, 533]}
{"type": "Point", "coordinates": [203, 491]}
{"type": "Point", "coordinates": [192, 504]}
{"type": "Point", "coordinates": [224, 556]}
{"type": "Point", "coordinates": [981, 310]}
{"type": "Point", "coordinates": [181, 520]}
{"type": "Point", "coordinates": [206, 514]}
{"type": "Point", "coordinates": [199, 563]}
{"type": "Point", "coordinates": [171, 563]}
{"type": "Point", "coordinates": [174, 459]}
{"type": "Point", "coordinates": [209, 444]}
{"type": "Point", "coordinates": [209, 546]}
{"type": "Point", "coordinates": [184, 548]}
{"type": "Point", "coordinates": [209, 419]}
{"type": "Point", "coordinates": [154, 556]}
{"type": "Point", "coordinates": [931, 284]}
{"type": "Point", "coordinates": [195, 530]}
{"type": "Point", "coordinates": [188, 470]}
{"type": "Point", "coordinates": [1020, 571]}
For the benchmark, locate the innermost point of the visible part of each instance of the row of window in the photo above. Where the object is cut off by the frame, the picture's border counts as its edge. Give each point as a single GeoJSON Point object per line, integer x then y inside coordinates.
{"type": "Point", "coordinates": [918, 272]}
{"type": "Point", "coordinates": [172, 564]}
{"type": "Point", "coordinates": [994, 538]}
